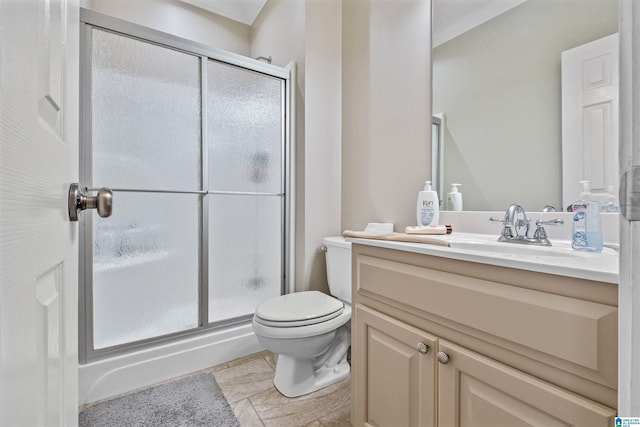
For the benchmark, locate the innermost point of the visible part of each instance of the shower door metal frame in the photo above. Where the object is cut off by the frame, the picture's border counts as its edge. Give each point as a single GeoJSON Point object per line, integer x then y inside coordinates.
{"type": "Point", "coordinates": [89, 20]}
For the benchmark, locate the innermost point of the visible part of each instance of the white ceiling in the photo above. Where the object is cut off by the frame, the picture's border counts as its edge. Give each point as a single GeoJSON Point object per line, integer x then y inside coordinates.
{"type": "Point", "coordinates": [450, 17]}
{"type": "Point", "coordinates": [244, 11]}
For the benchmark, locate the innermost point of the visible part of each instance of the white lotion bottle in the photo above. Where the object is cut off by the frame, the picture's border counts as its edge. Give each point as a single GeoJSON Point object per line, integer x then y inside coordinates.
{"type": "Point", "coordinates": [428, 207]}
{"type": "Point", "coordinates": [454, 198]}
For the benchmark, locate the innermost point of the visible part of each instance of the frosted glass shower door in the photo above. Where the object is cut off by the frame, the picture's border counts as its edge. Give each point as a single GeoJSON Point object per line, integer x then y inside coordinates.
{"type": "Point", "coordinates": [193, 142]}
{"type": "Point", "coordinates": [145, 133]}
{"type": "Point", "coordinates": [245, 122]}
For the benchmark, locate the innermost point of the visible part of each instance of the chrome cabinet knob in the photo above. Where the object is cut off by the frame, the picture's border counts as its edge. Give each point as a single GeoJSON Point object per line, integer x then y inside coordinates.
{"type": "Point", "coordinates": [442, 357]}
{"type": "Point", "coordinates": [78, 201]}
{"type": "Point", "coordinates": [423, 348]}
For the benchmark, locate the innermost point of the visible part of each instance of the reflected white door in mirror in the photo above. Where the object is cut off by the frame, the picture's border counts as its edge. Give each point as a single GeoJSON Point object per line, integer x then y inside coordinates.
{"type": "Point", "coordinates": [590, 119]}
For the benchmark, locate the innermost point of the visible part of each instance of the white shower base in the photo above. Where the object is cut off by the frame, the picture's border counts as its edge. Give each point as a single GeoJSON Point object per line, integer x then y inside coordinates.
{"type": "Point", "coordinates": [120, 374]}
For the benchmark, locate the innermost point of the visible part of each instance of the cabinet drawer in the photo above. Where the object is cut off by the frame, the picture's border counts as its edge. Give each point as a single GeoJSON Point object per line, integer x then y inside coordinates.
{"type": "Point", "coordinates": [581, 332]}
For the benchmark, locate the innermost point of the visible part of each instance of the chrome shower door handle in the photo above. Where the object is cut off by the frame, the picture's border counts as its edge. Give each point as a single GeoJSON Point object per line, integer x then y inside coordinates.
{"type": "Point", "coordinates": [78, 201]}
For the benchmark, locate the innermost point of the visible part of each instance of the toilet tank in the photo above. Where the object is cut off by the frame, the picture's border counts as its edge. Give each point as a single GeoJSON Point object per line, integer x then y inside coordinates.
{"type": "Point", "coordinates": [338, 257]}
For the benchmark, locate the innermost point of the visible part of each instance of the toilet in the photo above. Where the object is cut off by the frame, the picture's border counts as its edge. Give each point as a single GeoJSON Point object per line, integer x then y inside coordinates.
{"type": "Point", "coordinates": [311, 331]}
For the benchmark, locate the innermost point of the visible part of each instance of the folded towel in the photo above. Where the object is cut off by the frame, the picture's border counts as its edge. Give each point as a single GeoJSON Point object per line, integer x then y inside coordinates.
{"type": "Point", "coordinates": [429, 229]}
{"type": "Point", "coordinates": [396, 237]}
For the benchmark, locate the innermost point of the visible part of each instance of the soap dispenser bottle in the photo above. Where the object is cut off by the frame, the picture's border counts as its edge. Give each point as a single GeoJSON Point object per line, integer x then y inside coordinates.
{"type": "Point", "coordinates": [428, 207]}
{"type": "Point", "coordinates": [585, 194]}
{"type": "Point", "coordinates": [612, 201]}
{"type": "Point", "coordinates": [454, 198]}
{"type": "Point", "coordinates": [587, 229]}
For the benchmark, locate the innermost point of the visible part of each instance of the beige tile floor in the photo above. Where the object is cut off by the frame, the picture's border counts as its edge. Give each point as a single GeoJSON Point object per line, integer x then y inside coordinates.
{"type": "Point", "coordinates": [247, 383]}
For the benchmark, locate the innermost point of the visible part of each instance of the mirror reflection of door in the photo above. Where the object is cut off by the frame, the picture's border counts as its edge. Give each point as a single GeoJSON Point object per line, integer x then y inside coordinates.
{"type": "Point", "coordinates": [590, 119]}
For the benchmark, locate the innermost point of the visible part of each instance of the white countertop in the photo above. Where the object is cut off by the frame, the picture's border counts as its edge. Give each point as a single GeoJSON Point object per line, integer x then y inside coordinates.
{"type": "Point", "coordinates": [559, 259]}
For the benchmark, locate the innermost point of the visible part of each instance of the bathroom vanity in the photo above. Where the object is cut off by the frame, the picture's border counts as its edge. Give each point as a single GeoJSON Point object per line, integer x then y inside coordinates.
{"type": "Point", "coordinates": [458, 337]}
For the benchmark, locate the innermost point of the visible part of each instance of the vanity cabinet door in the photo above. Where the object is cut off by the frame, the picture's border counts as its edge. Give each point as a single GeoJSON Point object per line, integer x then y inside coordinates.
{"type": "Point", "coordinates": [477, 391]}
{"type": "Point", "coordinates": [394, 372]}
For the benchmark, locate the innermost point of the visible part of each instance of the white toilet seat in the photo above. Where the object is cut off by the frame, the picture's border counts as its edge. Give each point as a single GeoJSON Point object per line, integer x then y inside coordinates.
{"type": "Point", "coordinates": [302, 331]}
{"type": "Point", "coordinates": [295, 323]}
{"type": "Point", "coordinates": [298, 309]}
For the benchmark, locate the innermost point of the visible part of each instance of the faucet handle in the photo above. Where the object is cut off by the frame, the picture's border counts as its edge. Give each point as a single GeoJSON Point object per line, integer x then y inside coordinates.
{"type": "Point", "coordinates": [507, 230]}
{"type": "Point", "coordinates": [540, 234]}
{"type": "Point", "coordinates": [555, 222]}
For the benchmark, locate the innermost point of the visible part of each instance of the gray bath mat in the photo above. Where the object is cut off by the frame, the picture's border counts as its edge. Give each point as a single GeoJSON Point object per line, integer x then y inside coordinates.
{"type": "Point", "coordinates": [191, 401]}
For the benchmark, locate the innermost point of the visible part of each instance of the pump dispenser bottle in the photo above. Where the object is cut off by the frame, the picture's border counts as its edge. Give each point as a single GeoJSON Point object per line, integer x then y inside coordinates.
{"type": "Point", "coordinates": [585, 194]}
{"type": "Point", "coordinates": [428, 207]}
{"type": "Point", "coordinates": [612, 201]}
{"type": "Point", "coordinates": [454, 198]}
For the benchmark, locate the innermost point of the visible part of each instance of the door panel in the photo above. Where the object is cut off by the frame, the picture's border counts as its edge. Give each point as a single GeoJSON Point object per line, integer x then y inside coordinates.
{"type": "Point", "coordinates": [476, 391]}
{"type": "Point", "coordinates": [245, 130]}
{"type": "Point", "coordinates": [396, 381]}
{"type": "Point", "coordinates": [245, 253]}
{"type": "Point", "coordinates": [145, 268]}
{"type": "Point", "coordinates": [38, 243]}
{"type": "Point", "coordinates": [245, 141]}
{"type": "Point", "coordinates": [144, 140]}
{"type": "Point", "coordinates": [145, 106]}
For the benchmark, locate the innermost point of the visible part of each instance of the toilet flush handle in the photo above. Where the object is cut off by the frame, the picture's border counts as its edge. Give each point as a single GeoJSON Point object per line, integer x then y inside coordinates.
{"type": "Point", "coordinates": [323, 249]}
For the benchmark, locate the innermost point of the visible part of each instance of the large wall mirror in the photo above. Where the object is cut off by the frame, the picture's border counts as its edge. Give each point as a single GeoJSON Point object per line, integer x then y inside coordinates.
{"type": "Point", "coordinates": [497, 85]}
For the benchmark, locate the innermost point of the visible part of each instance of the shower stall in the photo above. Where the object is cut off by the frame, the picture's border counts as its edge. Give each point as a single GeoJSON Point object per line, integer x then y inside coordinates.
{"type": "Point", "coordinates": [194, 144]}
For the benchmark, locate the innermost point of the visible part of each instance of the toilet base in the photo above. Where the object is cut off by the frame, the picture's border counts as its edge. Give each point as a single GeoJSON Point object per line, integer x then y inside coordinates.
{"type": "Point", "coordinates": [295, 377]}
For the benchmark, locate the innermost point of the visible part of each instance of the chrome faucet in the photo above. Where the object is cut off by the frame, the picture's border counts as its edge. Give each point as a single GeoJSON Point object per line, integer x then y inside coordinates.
{"type": "Point", "coordinates": [516, 227]}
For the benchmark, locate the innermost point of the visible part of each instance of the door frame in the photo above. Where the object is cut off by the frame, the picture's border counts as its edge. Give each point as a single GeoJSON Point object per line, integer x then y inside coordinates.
{"type": "Point", "coordinates": [629, 286]}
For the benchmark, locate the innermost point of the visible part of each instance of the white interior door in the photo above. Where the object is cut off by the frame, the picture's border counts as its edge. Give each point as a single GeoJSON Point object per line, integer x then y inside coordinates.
{"type": "Point", "coordinates": [629, 288]}
{"type": "Point", "coordinates": [38, 243]}
{"type": "Point", "coordinates": [590, 118]}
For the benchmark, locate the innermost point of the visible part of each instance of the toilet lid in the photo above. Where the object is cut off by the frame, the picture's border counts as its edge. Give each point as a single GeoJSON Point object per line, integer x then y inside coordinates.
{"type": "Point", "coordinates": [300, 306]}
